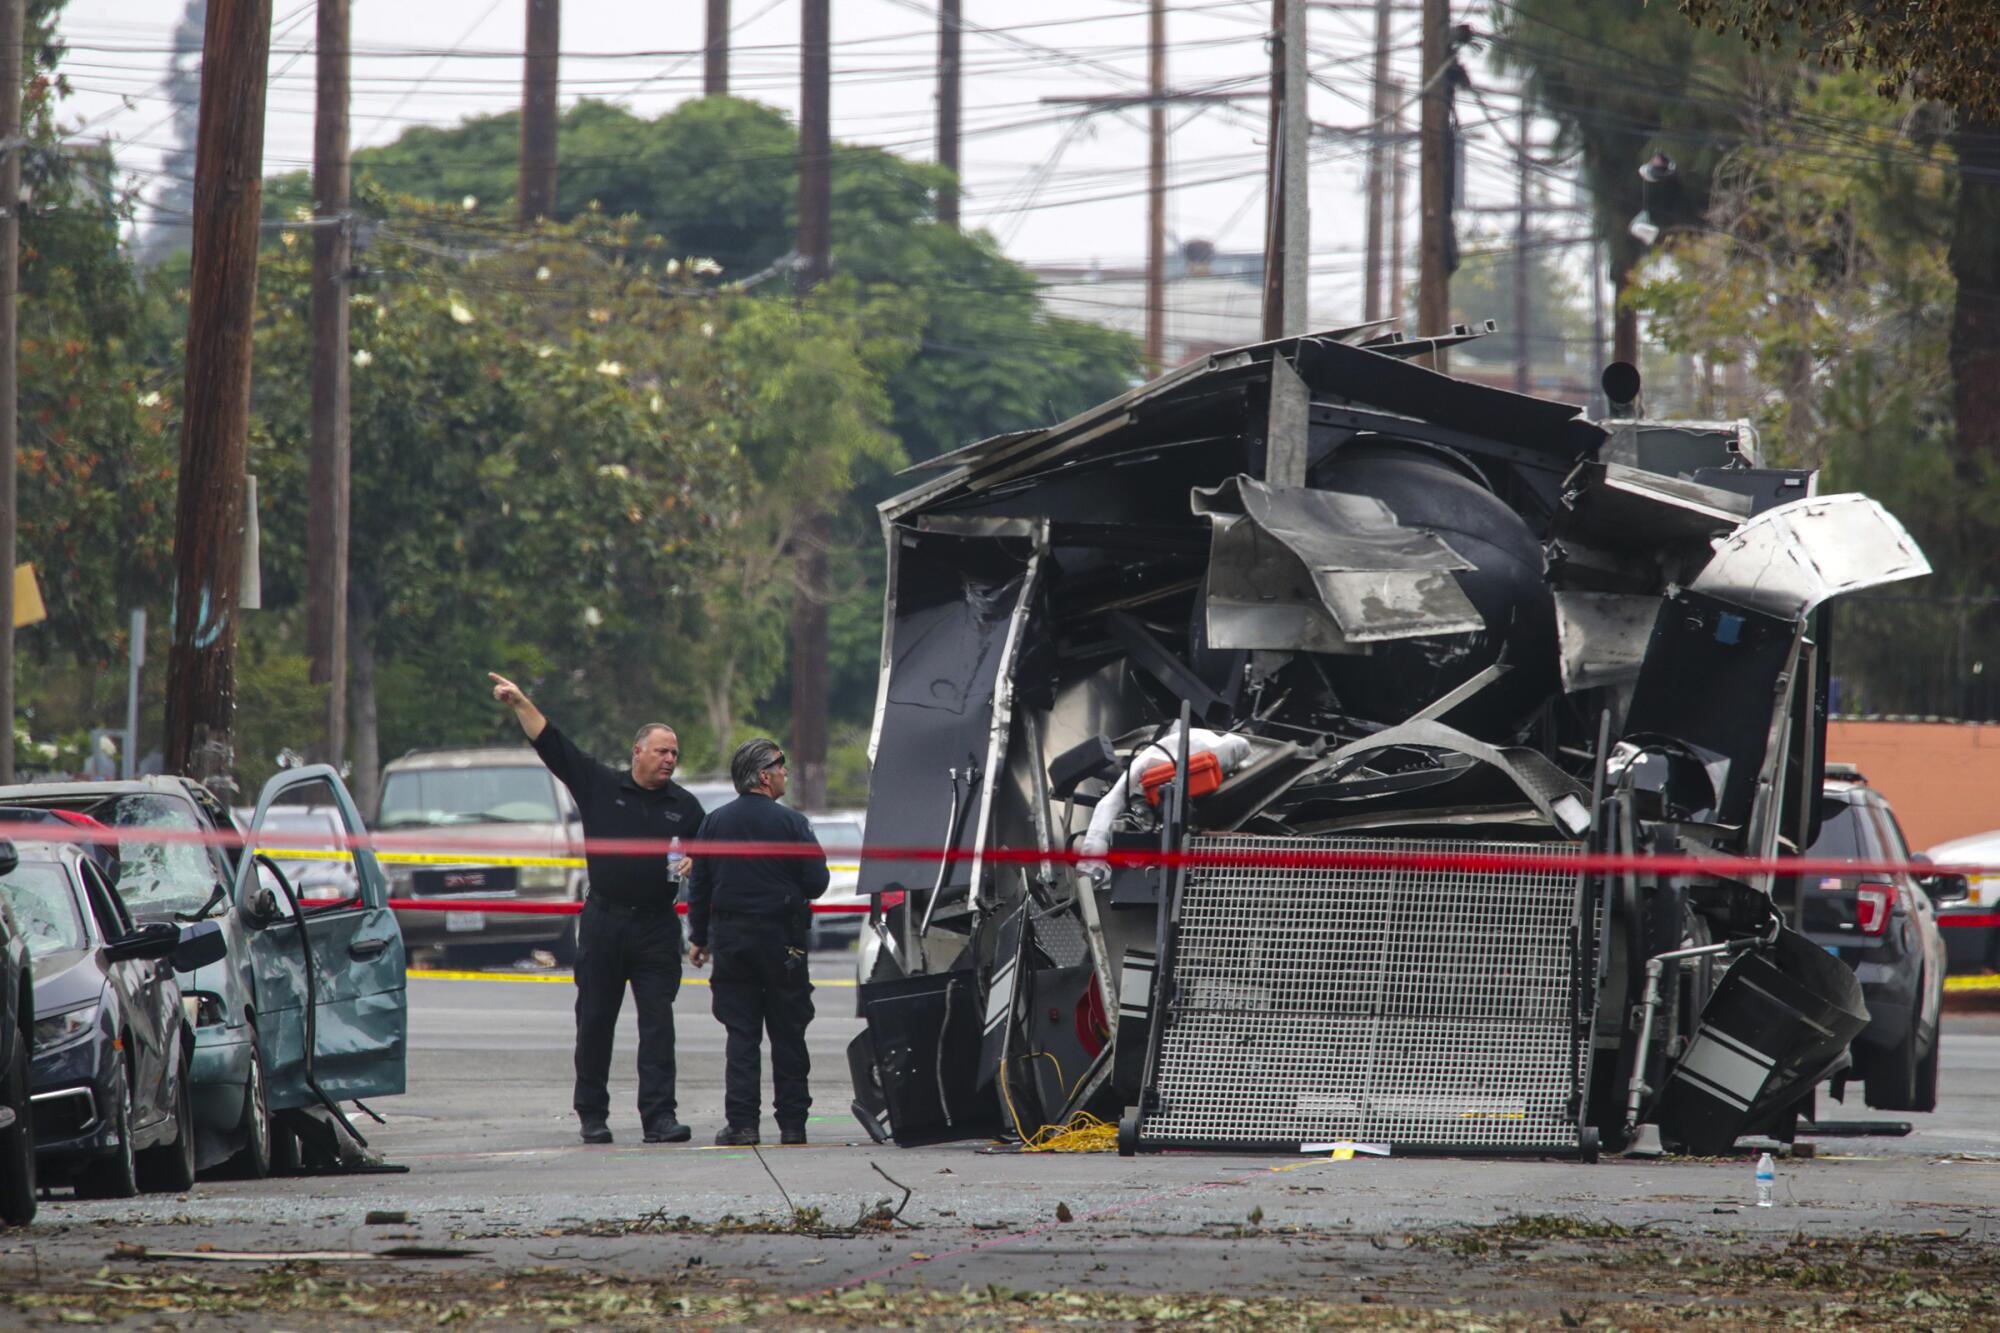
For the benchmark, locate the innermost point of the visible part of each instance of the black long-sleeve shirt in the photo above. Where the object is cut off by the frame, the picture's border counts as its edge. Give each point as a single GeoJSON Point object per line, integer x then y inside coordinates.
{"type": "Point", "coordinates": [774, 886]}
{"type": "Point", "coordinates": [614, 806]}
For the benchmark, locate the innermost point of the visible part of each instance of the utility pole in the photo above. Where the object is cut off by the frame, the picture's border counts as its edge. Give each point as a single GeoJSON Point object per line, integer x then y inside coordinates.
{"type": "Point", "coordinates": [11, 24]}
{"type": "Point", "coordinates": [1156, 189]}
{"type": "Point", "coordinates": [951, 35]}
{"type": "Point", "coordinates": [328, 467]}
{"type": "Point", "coordinates": [1523, 358]}
{"type": "Point", "coordinates": [1434, 179]}
{"type": "Point", "coordinates": [809, 721]}
{"type": "Point", "coordinates": [215, 417]}
{"type": "Point", "coordinates": [1288, 247]}
{"type": "Point", "coordinates": [537, 189]}
{"type": "Point", "coordinates": [1379, 108]}
{"type": "Point", "coordinates": [1397, 157]}
{"type": "Point", "coordinates": [715, 55]}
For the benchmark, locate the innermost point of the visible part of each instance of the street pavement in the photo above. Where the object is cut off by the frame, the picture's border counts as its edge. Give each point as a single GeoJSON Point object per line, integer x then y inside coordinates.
{"type": "Point", "coordinates": [494, 1166]}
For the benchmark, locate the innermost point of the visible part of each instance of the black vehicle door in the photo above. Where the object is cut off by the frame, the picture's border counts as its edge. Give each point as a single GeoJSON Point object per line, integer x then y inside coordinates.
{"type": "Point", "coordinates": [137, 981]}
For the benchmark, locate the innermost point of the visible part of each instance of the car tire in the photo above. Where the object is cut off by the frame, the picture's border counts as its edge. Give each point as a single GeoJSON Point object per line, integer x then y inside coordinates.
{"type": "Point", "coordinates": [17, 1143]}
{"type": "Point", "coordinates": [1927, 1076]}
{"type": "Point", "coordinates": [169, 1167]}
{"type": "Point", "coordinates": [115, 1176]}
{"type": "Point", "coordinates": [1891, 1083]}
{"type": "Point", "coordinates": [253, 1160]}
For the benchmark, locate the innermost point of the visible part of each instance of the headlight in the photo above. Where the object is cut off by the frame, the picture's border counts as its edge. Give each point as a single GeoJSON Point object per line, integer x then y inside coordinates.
{"type": "Point", "coordinates": [543, 877]}
{"type": "Point", "coordinates": [64, 1028]}
{"type": "Point", "coordinates": [202, 1009]}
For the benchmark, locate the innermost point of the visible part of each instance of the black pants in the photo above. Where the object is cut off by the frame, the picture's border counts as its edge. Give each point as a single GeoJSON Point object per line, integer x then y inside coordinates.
{"type": "Point", "coordinates": [762, 985]}
{"type": "Point", "coordinates": [614, 948]}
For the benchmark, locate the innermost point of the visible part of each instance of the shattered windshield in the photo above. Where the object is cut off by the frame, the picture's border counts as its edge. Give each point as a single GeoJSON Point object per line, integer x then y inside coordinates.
{"type": "Point", "coordinates": [513, 794]}
{"type": "Point", "coordinates": [38, 893]}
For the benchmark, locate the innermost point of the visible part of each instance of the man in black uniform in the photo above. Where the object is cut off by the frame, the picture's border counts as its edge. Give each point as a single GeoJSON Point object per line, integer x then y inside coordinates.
{"type": "Point", "coordinates": [754, 913]}
{"type": "Point", "coordinates": [630, 929]}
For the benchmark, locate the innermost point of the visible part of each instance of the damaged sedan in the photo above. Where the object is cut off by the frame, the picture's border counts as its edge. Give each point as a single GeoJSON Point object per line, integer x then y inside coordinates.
{"type": "Point", "coordinates": [1293, 734]}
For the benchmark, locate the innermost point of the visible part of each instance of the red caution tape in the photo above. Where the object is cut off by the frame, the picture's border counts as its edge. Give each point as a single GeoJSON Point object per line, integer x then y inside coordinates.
{"type": "Point", "coordinates": [438, 844]}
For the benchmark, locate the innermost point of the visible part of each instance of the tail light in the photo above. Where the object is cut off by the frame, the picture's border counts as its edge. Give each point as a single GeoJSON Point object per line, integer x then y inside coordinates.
{"type": "Point", "coordinates": [893, 898]}
{"type": "Point", "coordinates": [1871, 906]}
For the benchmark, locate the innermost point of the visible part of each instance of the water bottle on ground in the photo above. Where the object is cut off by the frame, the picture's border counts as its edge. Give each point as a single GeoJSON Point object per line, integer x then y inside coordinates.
{"type": "Point", "coordinates": [1767, 1174]}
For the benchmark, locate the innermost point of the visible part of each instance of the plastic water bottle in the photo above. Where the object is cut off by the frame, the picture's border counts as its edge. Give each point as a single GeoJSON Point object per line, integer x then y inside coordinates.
{"type": "Point", "coordinates": [674, 864]}
{"type": "Point", "coordinates": [1767, 1174]}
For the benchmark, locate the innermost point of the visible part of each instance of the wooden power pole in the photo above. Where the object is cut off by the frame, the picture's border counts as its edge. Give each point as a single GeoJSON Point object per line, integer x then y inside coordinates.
{"type": "Point", "coordinates": [539, 90]}
{"type": "Point", "coordinates": [328, 468]}
{"type": "Point", "coordinates": [1156, 189]}
{"type": "Point", "coordinates": [1379, 107]}
{"type": "Point", "coordinates": [1434, 179]}
{"type": "Point", "coordinates": [1288, 240]}
{"type": "Point", "coordinates": [11, 26]}
{"type": "Point", "coordinates": [809, 704]}
{"type": "Point", "coordinates": [951, 35]}
{"type": "Point", "coordinates": [1523, 164]}
{"type": "Point", "coordinates": [1398, 154]}
{"type": "Point", "coordinates": [215, 417]}
{"type": "Point", "coordinates": [715, 54]}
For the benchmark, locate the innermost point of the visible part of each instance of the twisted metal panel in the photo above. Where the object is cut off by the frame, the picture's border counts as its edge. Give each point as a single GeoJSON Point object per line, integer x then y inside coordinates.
{"type": "Point", "coordinates": [1428, 1009]}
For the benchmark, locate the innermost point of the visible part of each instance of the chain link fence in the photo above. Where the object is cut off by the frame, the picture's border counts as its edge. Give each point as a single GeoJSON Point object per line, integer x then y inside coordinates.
{"type": "Point", "coordinates": [1922, 657]}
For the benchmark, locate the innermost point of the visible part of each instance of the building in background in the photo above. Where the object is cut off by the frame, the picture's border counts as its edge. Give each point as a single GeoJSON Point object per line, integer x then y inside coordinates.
{"type": "Point", "coordinates": [1214, 299]}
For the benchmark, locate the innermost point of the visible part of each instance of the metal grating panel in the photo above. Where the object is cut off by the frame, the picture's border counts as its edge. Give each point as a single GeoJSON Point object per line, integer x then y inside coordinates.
{"type": "Point", "coordinates": [1420, 1008]}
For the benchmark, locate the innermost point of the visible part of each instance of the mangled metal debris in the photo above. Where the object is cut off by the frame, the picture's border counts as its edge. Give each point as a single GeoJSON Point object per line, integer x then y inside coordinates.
{"type": "Point", "coordinates": [1483, 625]}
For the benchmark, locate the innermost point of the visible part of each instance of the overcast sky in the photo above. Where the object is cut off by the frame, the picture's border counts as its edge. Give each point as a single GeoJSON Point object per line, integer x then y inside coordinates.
{"type": "Point", "coordinates": [1052, 185]}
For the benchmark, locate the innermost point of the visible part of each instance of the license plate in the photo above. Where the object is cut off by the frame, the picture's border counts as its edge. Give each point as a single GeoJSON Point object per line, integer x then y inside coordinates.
{"type": "Point", "coordinates": [468, 881]}
{"type": "Point", "coordinates": [459, 921]}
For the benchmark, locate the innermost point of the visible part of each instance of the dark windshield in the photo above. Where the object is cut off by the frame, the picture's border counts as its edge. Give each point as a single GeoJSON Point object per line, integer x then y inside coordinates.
{"type": "Point", "coordinates": [1840, 835]}
{"type": "Point", "coordinates": [44, 906]}
{"type": "Point", "coordinates": [513, 794]}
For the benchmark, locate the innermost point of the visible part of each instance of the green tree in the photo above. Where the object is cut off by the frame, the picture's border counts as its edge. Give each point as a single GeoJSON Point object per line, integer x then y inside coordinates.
{"type": "Point", "coordinates": [534, 467]}
{"type": "Point", "coordinates": [717, 178]}
{"type": "Point", "coordinates": [1624, 79]}
{"type": "Point", "coordinates": [1926, 49]}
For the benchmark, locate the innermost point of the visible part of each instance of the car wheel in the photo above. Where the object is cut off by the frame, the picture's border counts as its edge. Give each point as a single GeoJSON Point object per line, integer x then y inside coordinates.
{"type": "Point", "coordinates": [253, 1161]}
{"type": "Point", "coordinates": [1891, 1084]}
{"type": "Point", "coordinates": [1927, 1075]}
{"type": "Point", "coordinates": [115, 1176]}
{"type": "Point", "coordinates": [169, 1168]}
{"type": "Point", "coordinates": [17, 1144]}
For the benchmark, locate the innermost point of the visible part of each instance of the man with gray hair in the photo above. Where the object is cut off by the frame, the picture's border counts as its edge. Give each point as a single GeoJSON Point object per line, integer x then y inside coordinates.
{"type": "Point", "coordinates": [753, 915]}
{"type": "Point", "coordinates": [630, 930]}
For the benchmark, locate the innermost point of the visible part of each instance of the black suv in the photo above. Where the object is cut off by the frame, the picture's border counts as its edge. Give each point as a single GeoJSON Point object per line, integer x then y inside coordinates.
{"type": "Point", "coordinates": [1884, 926]}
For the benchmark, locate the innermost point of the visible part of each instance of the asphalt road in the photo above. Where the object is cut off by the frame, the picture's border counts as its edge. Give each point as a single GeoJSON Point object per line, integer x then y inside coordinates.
{"type": "Point", "coordinates": [494, 1164]}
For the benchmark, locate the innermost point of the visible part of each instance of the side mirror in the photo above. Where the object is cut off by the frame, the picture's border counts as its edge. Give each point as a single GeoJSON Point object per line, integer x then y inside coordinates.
{"type": "Point", "coordinates": [9, 858]}
{"type": "Point", "coordinates": [200, 944]}
{"type": "Point", "coordinates": [1945, 889]}
{"type": "Point", "coordinates": [156, 940]}
{"type": "Point", "coordinates": [267, 905]}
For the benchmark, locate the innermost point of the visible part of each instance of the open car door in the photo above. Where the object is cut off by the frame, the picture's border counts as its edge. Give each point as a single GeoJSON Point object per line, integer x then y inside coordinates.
{"type": "Point", "coordinates": [359, 1014]}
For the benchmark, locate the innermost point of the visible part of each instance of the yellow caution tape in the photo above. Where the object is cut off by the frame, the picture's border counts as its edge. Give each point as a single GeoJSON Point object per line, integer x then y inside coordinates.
{"type": "Point", "coordinates": [423, 858]}
{"type": "Point", "coordinates": [1972, 983]}
{"type": "Point", "coordinates": [461, 859]}
{"type": "Point", "coordinates": [559, 979]}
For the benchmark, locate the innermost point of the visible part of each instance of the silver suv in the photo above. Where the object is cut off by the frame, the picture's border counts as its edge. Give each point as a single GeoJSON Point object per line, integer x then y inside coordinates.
{"type": "Point", "coordinates": [501, 790]}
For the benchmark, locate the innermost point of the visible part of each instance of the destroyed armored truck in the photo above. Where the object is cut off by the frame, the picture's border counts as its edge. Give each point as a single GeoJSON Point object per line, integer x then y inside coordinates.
{"type": "Point", "coordinates": [1291, 738]}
